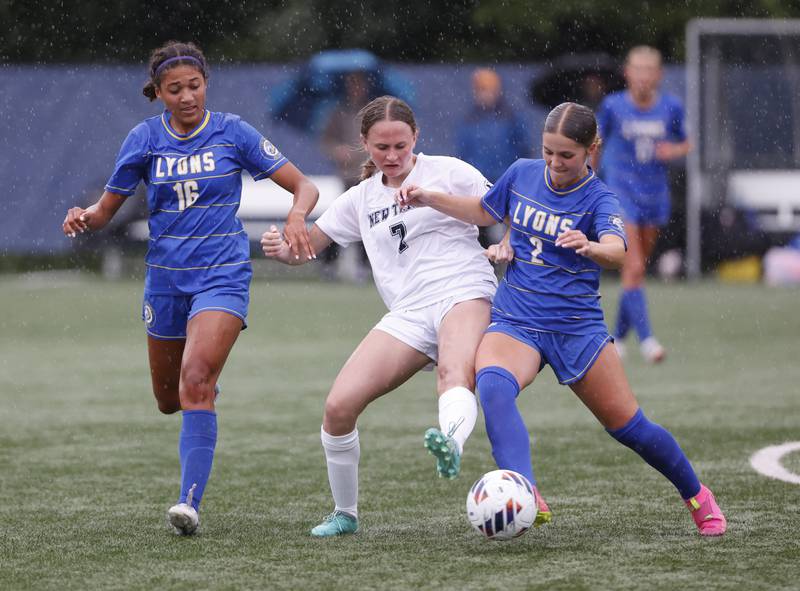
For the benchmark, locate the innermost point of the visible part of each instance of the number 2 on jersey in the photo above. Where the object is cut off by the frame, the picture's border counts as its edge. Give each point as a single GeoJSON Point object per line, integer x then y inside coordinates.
{"type": "Point", "coordinates": [187, 193]}
{"type": "Point", "coordinates": [537, 250]}
{"type": "Point", "coordinates": [400, 230]}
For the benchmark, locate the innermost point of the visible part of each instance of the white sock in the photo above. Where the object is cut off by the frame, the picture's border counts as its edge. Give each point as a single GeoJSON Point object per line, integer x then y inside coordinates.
{"type": "Point", "coordinates": [458, 411]}
{"type": "Point", "coordinates": [342, 453]}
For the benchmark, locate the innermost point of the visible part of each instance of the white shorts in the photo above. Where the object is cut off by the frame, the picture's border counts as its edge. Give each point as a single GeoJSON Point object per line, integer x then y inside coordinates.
{"type": "Point", "coordinates": [419, 328]}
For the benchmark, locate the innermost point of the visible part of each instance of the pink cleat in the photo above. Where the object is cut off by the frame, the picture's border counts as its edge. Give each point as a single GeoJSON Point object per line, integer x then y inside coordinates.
{"type": "Point", "coordinates": [543, 515]}
{"type": "Point", "coordinates": [706, 513]}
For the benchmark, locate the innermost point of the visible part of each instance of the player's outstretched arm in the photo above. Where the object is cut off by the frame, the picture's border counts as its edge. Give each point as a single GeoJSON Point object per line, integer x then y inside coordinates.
{"type": "Point", "coordinates": [276, 247]}
{"type": "Point", "coordinates": [305, 198]}
{"type": "Point", "coordinates": [466, 209]}
{"type": "Point", "coordinates": [94, 217]}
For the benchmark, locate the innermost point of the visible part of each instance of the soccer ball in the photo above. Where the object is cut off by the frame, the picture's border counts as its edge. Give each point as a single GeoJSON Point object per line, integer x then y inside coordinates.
{"type": "Point", "coordinates": [501, 505]}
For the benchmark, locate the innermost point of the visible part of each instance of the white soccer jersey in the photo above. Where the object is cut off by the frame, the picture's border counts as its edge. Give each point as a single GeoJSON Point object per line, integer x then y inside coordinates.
{"type": "Point", "coordinates": [418, 255]}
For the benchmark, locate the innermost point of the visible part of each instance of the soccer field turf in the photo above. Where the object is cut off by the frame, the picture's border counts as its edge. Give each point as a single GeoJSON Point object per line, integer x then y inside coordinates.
{"type": "Point", "coordinates": [88, 466]}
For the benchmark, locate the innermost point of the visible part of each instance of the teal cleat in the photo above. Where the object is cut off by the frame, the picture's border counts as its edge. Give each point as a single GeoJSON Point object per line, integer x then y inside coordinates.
{"type": "Point", "coordinates": [337, 523]}
{"type": "Point", "coordinates": [445, 449]}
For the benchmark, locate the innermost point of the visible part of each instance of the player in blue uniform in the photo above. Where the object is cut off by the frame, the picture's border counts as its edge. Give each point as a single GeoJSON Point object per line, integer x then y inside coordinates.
{"type": "Point", "coordinates": [642, 129]}
{"type": "Point", "coordinates": [565, 227]}
{"type": "Point", "coordinates": [198, 260]}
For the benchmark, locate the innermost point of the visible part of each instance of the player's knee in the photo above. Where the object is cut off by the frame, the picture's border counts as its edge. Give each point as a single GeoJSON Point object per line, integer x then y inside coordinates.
{"type": "Point", "coordinates": [339, 415]}
{"type": "Point", "coordinates": [168, 407]}
{"type": "Point", "coordinates": [497, 387]}
{"type": "Point", "coordinates": [196, 384]}
{"type": "Point", "coordinates": [453, 375]}
{"type": "Point", "coordinates": [167, 398]}
{"type": "Point", "coordinates": [634, 272]}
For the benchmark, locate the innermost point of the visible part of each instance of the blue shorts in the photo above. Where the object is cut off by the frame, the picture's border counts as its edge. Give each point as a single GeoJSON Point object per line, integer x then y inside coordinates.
{"type": "Point", "coordinates": [166, 316]}
{"type": "Point", "coordinates": [653, 212]}
{"type": "Point", "coordinates": [570, 356]}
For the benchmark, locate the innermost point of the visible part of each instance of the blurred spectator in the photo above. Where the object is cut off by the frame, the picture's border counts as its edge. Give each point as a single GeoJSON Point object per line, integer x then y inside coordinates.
{"type": "Point", "coordinates": [341, 142]}
{"type": "Point", "coordinates": [341, 138]}
{"type": "Point", "coordinates": [492, 136]}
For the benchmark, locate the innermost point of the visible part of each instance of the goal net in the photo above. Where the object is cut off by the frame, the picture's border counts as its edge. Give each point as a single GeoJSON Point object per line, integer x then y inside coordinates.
{"type": "Point", "coordinates": [743, 114]}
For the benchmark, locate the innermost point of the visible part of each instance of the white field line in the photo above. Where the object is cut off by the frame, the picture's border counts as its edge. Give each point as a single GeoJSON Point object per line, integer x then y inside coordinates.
{"type": "Point", "coordinates": [767, 461]}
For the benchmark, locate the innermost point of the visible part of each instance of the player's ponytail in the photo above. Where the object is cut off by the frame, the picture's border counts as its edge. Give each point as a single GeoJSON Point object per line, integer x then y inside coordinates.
{"type": "Point", "coordinates": [383, 108]}
{"type": "Point", "coordinates": [573, 121]}
{"type": "Point", "coordinates": [168, 56]}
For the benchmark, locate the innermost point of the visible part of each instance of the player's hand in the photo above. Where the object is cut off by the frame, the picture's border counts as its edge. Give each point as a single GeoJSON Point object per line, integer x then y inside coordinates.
{"type": "Point", "coordinates": [411, 196]}
{"type": "Point", "coordinates": [77, 221]}
{"type": "Point", "coordinates": [666, 151]}
{"type": "Point", "coordinates": [500, 253]}
{"type": "Point", "coordinates": [273, 244]}
{"type": "Point", "coordinates": [576, 240]}
{"type": "Point", "coordinates": [296, 234]}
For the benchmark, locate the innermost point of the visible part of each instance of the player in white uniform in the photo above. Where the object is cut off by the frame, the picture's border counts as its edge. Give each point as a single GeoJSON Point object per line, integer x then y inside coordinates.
{"type": "Point", "coordinates": [436, 282]}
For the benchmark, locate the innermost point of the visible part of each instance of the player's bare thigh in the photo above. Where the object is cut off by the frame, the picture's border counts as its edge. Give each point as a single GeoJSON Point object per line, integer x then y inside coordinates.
{"type": "Point", "coordinates": [210, 336]}
{"type": "Point", "coordinates": [605, 390]}
{"type": "Point", "coordinates": [165, 371]}
{"type": "Point", "coordinates": [641, 241]}
{"type": "Point", "coordinates": [379, 364]}
{"type": "Point", "coordinates": [499, 349]}
{"type": "Point", "coordinates": [460, 334]}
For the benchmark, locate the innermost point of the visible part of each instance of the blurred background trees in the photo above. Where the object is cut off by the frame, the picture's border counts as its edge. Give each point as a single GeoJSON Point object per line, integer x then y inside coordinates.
{"type": "Point", "coordinates": [268, 30]}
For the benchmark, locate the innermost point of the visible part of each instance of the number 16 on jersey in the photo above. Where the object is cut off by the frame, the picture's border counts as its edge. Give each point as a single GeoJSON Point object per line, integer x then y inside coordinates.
{"type": "Point", "coordinates": [188, 192]}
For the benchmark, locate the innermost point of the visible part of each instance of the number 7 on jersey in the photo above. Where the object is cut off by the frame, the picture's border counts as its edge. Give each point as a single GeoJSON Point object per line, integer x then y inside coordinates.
{"type": "Point", "coordinates": [400, 230]}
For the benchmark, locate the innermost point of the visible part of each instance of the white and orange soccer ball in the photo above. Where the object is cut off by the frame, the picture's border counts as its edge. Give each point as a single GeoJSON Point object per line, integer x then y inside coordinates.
{"type": "Point", "coordinates": [501, 505]}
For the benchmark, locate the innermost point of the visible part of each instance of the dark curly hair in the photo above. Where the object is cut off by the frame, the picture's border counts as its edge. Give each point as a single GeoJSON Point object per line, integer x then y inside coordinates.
{"type": "Point", "coordinates": [187, 54]}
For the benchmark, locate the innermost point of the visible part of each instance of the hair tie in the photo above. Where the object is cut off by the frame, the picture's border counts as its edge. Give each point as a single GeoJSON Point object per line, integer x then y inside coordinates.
{"type": "Point", "coordinates": [166, 62]}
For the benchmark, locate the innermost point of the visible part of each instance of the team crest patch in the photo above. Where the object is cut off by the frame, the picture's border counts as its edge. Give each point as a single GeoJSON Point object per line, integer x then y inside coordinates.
{"type": "Point", "coordinates": [616, 221]}
{"type": "Point", "coordinates": [149, 315]}
{"type": "Point", "coordinates": [268, 149]}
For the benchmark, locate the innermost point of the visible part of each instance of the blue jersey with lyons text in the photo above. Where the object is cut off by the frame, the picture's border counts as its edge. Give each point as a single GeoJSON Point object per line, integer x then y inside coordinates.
{"type": "Point", "coordinates": [630, 134]}
{"type": "Point", "coordinates": [547, 287]}
{"type": "Point", "coordinates": [194, 188]}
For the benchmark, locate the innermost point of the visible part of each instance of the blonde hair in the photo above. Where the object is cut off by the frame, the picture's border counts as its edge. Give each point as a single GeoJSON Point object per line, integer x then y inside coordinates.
{"type": "Point", "coordinates": [644, 50]}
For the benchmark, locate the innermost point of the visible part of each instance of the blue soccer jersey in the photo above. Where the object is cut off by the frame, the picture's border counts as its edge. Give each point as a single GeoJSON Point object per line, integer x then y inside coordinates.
{"type": "Point", "coordinates": [194, 189]}
{"type": "Point", "coordinates": [547, 287]}
{"type": "Point", "coordinates": [630, 135]}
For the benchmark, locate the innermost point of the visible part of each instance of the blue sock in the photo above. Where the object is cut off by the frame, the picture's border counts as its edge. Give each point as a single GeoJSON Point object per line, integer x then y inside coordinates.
{"type": "Point", "coordinates": [196, 448]}
{"type": "Point", "coordinates": [623, 317]}
{"type": "Point", "coordinates": [658, 448]}
{"type": "Point", "coordinates": [511, 445]}
{"type": "Point", "coordinates": [637, 311]}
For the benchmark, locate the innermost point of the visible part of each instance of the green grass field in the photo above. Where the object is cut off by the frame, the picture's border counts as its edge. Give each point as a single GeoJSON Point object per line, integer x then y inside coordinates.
{"type": "Point", "coordinates": [88, 466]}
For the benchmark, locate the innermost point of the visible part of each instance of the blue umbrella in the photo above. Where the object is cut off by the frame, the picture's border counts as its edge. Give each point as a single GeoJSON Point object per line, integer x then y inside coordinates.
{"type": "Point", "coordinates": [305, 100]}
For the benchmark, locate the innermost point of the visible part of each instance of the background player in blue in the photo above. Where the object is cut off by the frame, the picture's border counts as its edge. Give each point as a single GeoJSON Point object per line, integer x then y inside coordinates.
{"type": "Point", "coordinates": [565, 228]}
{"type": "Point", "coordinates": [642, 129]}
{"type": "Point", "coordinates": [198, 260]}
